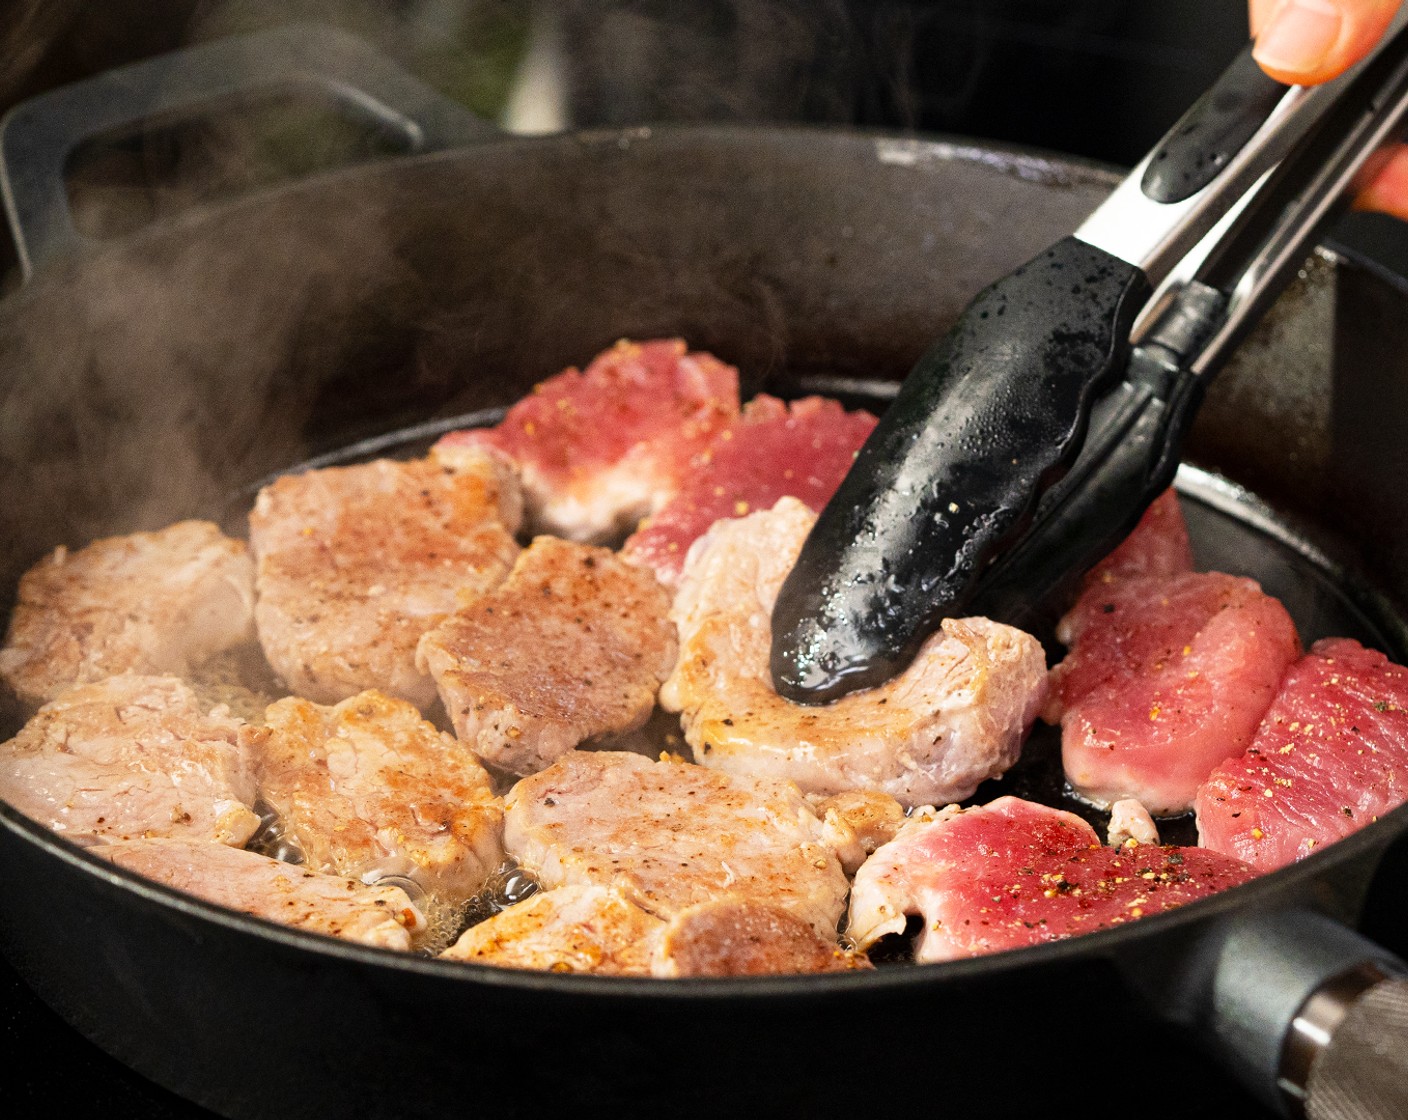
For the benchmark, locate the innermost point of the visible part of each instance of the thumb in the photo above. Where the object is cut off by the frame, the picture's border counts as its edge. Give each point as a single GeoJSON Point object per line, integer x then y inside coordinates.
{"type": "Point", "coordinates": [1302, 42]}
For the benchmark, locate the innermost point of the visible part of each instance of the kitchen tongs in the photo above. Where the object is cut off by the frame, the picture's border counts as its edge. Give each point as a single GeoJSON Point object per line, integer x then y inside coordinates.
{"type": "Point", "coordinates": [1027, 442]}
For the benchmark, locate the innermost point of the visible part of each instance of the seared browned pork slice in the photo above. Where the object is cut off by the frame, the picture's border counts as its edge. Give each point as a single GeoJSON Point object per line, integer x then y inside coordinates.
{"type": "Point", "coordinates": [739, 937]}
{"type": "Point", "coordinates": [145, 603]}
{"type": "Point", "coordinates": [356, 563]}
{"type": "Point", "coordinates": [572, 646]}
{"type": "Point", "coordinates": [380, 914]}
{"type": "Point", "coordinates": [956, 716]}
{"type": "Point", "coordinates": [1330, 757]}
{"type": "Point", "coordinates": [671, 835]}
{"type": "Point", "coordinates": [576, 928]}
{"type": "Point", "coordinates": [368, 788]}
{"type": "Point", "coordinates": [603, 447]}
{"type": "Point", "coordinates": [772, 450]}
{"type": "Point", "coordinates": [1166, 677]}
{"type": "Point", "coordinates": [133, 757]}
{"type": "Point", "coordinates": [1015, 873]}
{"type": "Point", "coordinates": [598, 929]}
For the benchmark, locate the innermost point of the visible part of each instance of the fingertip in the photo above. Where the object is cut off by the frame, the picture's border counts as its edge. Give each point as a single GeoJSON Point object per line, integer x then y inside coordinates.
{"type": "Point", "coordinates": [1388, 192]}
{"type": "Point", "coordinates": [1304, 42]}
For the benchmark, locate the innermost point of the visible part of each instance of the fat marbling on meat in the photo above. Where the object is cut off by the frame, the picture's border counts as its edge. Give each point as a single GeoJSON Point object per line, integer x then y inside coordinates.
{"type": "Point", "coordinates": [602, 447]}
{"type": "Point", "coordinates": [955, 717]}
{"type": "Point", "coordinates": [572, 646]}
{"type": "Point", "coordinates": [368, 788]}
{"type": "Point", "coordinates": [1330, 757]}
{"type": "Point", "coordinates": [672, 835]}
{"type": "Point", "coordinates": [381, 915]}
{"type": "Point", "coordinates": [773, 450]}
{"type": "Point", "coordinates": [153, 603]}
{"type": "Point", "coordinates": [1015, 873]}
{"type": "Point", "coordinates": [355, 564]}
{"type": "Point", "coordinates": [133, 757]}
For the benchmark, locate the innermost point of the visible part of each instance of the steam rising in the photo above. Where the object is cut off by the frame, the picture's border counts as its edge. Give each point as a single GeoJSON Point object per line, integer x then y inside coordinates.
{"type": "Point", "coordinates": [213, 338]}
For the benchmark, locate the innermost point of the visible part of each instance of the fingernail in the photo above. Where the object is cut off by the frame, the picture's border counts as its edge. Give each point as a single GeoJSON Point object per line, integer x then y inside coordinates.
{"type": "Point", "coordinates": [1299, 36]}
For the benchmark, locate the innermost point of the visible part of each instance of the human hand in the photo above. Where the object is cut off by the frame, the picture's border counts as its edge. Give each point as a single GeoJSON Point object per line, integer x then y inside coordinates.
{"type": "Point", "coordinates": [1304, 42]}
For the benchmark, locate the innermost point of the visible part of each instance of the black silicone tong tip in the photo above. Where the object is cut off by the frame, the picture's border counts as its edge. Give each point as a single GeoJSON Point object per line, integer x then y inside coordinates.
{"type": "Point", "coordinates": [988, 418]}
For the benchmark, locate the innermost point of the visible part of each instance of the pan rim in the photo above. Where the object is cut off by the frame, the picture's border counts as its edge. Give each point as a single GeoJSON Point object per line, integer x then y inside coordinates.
{"type": "Point", "coordinates": [891, 147]}
{"type": "Point", "coordinates": [1265, 893]}
{"type": "Point", "coordinates": [897, 149]}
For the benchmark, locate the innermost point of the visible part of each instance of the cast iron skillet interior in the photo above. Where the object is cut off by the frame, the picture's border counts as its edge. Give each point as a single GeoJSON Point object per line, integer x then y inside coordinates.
{"type": "Point", "coordinates": [805, 293]}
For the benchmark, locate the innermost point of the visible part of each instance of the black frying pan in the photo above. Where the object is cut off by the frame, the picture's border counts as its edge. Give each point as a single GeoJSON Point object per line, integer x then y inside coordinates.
{"type": "Point", "coordinates": [151, 378]}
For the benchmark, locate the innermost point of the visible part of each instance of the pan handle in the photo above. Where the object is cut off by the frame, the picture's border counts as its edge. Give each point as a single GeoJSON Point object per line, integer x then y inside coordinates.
{"type": "Point", "coordinates": [1309, 1014]}
{"type": "Point", "coordinates": [39, 136]}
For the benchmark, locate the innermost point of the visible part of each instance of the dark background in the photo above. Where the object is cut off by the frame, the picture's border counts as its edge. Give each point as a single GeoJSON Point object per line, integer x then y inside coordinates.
{"type": "Point", "coordinates": [1096, 78]}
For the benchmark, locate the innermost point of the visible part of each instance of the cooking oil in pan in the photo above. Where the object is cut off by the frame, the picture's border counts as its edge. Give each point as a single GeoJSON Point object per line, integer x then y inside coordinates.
{"type": "Point", "coordinates": [1231, 531]}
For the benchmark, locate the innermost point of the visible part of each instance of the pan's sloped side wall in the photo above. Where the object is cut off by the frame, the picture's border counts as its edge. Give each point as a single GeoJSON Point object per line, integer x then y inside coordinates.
{"type": "Point", "coordinates": [148, 381]}
{"type": "Point", "coordinates": [1312, 415]}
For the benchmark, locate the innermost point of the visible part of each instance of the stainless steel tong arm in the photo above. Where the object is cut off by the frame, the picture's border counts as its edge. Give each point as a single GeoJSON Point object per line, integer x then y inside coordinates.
{"type": "Point", "coordinates": [1155, 235]}
{"type": "Point", "coordinates": [1222, 152]}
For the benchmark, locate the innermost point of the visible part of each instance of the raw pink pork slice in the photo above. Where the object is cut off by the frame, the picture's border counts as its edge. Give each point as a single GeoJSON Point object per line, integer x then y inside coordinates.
{"type": "Point", "coordinates": [1330, 757]}
{"type": "Point", "coordinates": [1166, 678]}
{"type": "Point", "coordinates": [774, 450]}
{"type": "Point", "coordinates": [1015, 873]}
{"type": "Point", "coordinates": [603, 447]}
{"type": "Point", "coordinates": [1157, 546]}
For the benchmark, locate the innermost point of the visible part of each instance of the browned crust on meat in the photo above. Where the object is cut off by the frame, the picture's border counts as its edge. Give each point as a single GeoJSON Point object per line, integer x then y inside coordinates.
{"type": "Point", "coordinates": [356, 563]}
{"type": "Point", "coordinates": [734, 937]}
{"type": "Point", "coordinates": [133, 757]}
{"type": "Point", "coordinates": [368, 785]}
{"type": "Point", "coordinates": [144, 603]}
{"type": "Point", "coordinates": [956, 715]}
{"type": "Point", "coordinates": [572, 929]}
{"type": "Point", "coordinates": [377, 914]}
{"type": "Point", "coordinates": [572, 646]}
{"type": "Point", "coordinates": [673, 835]}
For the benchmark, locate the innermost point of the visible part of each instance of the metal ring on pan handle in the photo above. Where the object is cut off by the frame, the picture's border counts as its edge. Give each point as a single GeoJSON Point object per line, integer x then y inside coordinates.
{"type": "Point", "coordinates": [1347, 1054]}
{"type": "Point", "coordinates": [1306, 1012]}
